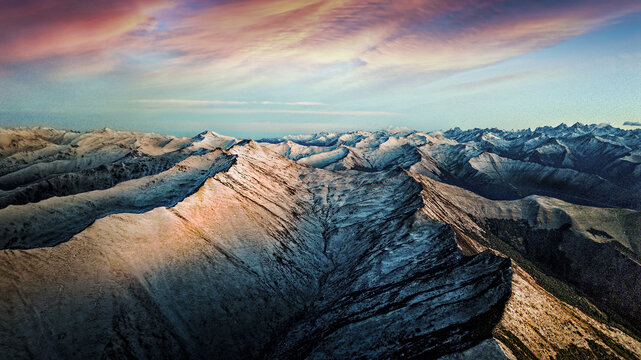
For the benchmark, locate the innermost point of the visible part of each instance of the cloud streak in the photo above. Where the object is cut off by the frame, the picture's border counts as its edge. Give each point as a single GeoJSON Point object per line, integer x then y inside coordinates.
{"type": "Point", "coordinates": [305, 112]}
{"type": "Point", "coordinates": [204, 106]}
{"type": "Point", "coordinates": [298, 112]}
{"type": "Point", "coordinates": [191, 102]}
{"type": "Point", "coordinates": [431, 35]}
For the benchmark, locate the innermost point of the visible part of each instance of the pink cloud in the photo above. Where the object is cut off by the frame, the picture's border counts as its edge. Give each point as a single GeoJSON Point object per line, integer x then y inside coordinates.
{"type": "Point", "coordinates": [31, 30]}
{"type": "Point", "coordinates": [252, 39]}
{"type": "Point", "coordinates": [246, 42]}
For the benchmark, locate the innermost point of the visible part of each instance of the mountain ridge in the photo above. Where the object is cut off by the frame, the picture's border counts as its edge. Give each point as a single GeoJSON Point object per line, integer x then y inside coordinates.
{"type": "Point", "coordinates": [336, 244]}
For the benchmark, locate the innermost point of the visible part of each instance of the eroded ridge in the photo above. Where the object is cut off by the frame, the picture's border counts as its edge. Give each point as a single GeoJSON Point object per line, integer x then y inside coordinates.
{"type": "Point", "coordinates": [267, 259]}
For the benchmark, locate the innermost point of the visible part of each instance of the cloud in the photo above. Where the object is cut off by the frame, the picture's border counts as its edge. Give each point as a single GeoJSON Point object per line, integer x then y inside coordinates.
{"type": "Point", "coordinates": [632, 123]}
{"type": "Point", "coordinates": [203, 106]}
{"type": "Point", "coordinates": [304, 112]}
{"type": "Point", "coordinates": [484, 83]}
{"type": "Point", "coordinates": [188, 102]}
{"type": "Point", "coordinates": [431, 35]}
{"type": "Point", "coordinates": [36, 29]}
{"type": "Point", "coordinates": [301, 103]}
{"type": "Point", "coordinates": [241, 43]}
{"type": "Point", "coordinates": [493, 33]}
{"type": "Point", "coordinates": [290, 111]}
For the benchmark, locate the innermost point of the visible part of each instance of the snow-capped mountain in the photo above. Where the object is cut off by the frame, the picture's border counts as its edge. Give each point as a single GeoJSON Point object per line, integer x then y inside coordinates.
{"type": "Point", "coordinates": [595, 165]}
{"type": "Point", "coordinates": [335, 245]}
{"type": "Point", "coordinates": [603, 150]}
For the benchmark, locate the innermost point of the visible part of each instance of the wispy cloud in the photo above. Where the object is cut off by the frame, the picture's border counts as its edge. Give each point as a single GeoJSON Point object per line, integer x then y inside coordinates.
{"type": "Point", "coordinates": [484, 83]}
{"type": "Point", "coordinates": [298, 103]}
{"type": "Point", "coordinates": [209, 107]}
{"type": "Point", "coordinates": [235, 38]}
{"type": "Point", "coordinates": [632, 123]}
{"type": "Point", "coordinates": [37, 29]}
{"type": "Point", "coordinates": [187, 102]}
{"type": "Point", "coordinates": [422, 36]}
{"type": "Point", "coordinates": [191, 102]}
{"type": "Point", "coordinates": [301, 112]}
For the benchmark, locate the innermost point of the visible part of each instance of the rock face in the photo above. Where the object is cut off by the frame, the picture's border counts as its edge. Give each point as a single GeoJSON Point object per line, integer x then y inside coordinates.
{"type": "Point", "coordinates": [536, 324]}
{"type": "Point", "coordinates": [584, 255]}
{"type": "Point", "coordinates": [232, 250]}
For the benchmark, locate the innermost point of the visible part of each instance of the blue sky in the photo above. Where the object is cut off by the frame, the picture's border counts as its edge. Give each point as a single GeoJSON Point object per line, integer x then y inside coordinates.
{"type": "Point", "coordinates": [268, 68]}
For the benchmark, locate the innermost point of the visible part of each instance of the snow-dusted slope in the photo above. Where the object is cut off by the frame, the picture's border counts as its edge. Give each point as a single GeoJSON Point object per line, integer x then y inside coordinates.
{"type": "Point", "coordinates": [362, 150]}
{"type": "Point", "coordinates": [593, 149]}
{"type": "Point", "coordinates": [56, 219]}
{"type": "Point", "coordinates": [57, 182]}
{"type": "Point", "coordinates": [581, 164]}
{"type": "Point", "coordinates": [39, 163]}
{"type": "Point", "coordinates": [226, 249]}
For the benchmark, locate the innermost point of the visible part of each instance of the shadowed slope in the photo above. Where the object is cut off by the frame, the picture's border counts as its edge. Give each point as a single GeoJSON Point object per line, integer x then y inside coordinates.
{"type": "Point", "coordinates": [536, 325]}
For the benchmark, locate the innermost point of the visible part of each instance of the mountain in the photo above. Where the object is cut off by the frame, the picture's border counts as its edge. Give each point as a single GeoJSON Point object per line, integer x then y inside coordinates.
{"type": "Point", "coordinates": [595, 165]}
{"type": "Point", "coordinates": [55, 183]}
{"type": "Point", "coordinates": [586, 256]}
{"type": "Point", "coordinates": [365, 244]}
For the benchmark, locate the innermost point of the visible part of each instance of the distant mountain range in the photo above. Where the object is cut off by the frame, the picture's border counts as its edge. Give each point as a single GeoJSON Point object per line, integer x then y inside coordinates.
{"type": "Point", "coordinates": [596, 165]}
{"type": "Point", "coordinates": [479, 244]}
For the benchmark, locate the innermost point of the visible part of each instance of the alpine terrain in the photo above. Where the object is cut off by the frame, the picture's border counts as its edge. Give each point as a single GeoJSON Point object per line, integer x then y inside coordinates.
{"type": "Point", "coordinates": [463, 244]}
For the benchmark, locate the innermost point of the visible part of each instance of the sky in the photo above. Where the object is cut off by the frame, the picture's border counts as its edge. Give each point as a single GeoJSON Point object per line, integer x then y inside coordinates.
{"type": "Point", "coordinates": [264, 68]}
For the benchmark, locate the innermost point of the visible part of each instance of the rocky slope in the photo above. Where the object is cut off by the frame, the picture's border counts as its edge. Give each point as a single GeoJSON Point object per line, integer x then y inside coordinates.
{"type": "Point", "coordinates": [596, 250]}
{"type": "Point", "coordinates": [230, 250]}
{"type": "Point", "coordinates": [586, 256]}
{"type": "Point", "coordinates": [537, 323]}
